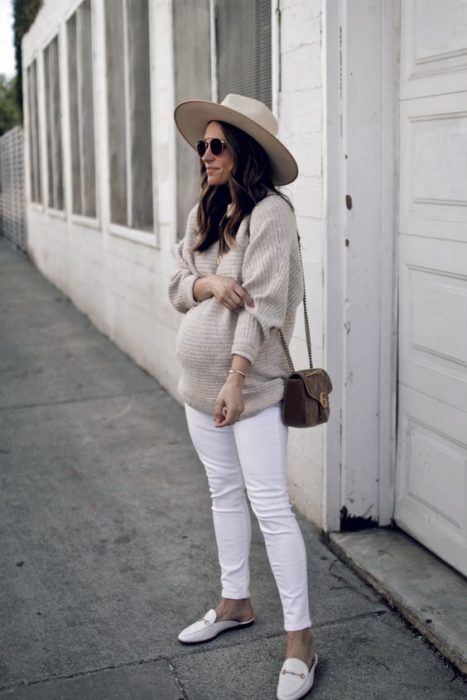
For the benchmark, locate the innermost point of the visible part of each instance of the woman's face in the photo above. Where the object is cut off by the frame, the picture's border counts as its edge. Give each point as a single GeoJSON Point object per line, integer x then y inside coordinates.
{"type": "Point", "coordinates": [218, 168]}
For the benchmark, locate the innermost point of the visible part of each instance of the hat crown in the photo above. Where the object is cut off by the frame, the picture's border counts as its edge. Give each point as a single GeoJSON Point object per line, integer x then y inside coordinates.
{"type": "Point", "coordinates": [252, 109]}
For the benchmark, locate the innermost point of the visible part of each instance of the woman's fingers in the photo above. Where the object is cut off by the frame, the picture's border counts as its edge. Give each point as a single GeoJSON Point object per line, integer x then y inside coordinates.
{"type": "Point", "coordinates": [237, 298]}
{"type": "Point", "coordinates": [229, 303]}
{"type": "Point", "coordinates": [244, 296]}
{"type": "Point", "coordinates": [230, 294]}
{"type": "Point", "coordinates": [219, 412]}
{"type": "Point", "coordinates": [227, 419]}
{"type": "Point", "coordinates": [229, 415]}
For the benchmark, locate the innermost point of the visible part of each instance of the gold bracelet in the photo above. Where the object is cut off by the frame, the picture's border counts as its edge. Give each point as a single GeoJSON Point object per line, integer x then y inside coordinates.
{"type": "Point", "coordinates": [237, 371]}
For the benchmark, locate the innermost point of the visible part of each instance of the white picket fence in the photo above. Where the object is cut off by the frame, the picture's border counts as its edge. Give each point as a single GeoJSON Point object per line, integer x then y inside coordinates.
{"type": "Point", "coordinates": [12, 195]}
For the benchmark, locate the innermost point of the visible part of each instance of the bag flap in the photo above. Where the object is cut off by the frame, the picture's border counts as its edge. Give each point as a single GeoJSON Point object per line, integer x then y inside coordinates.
{"type": "Point", "coordinates": [316, 382]}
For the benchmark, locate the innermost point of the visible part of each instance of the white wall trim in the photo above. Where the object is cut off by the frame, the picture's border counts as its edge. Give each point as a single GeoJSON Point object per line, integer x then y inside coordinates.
{"type": "Point", "coordinates": [333, 196]}
{"type": "Point", "coordinates": [391, 17]}
{"type": "Point", "coordinates": [361, 325]}
{"type": "Point", "coordinates": [56, 213]}
{"type": "Point", "coordinates": [87, 221]}
{"type": "Point", "coordinates": [131, 234]}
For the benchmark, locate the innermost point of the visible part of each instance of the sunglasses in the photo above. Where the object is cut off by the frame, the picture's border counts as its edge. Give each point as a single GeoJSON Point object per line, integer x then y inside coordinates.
{"type": "Point", "coordinates": [216, 146]}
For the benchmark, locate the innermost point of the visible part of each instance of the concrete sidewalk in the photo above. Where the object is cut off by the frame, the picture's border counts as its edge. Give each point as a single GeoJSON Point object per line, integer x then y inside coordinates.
{"type": "Point", "coordinates": [107, 548]}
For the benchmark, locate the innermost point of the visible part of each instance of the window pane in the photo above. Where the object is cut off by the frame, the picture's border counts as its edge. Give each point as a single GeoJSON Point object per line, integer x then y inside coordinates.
{"type": "Point", "coordinates": [54, 138]}
{"type": "Point", "coordinates": [81, 99]}
{"type": "Point", "coordinates": [243, 45]}
{"type": "Point", "coordinates": [141, 214]}
{"type": "Point", "coordinates": [192, 57]}
{"type": "Point", "coordinates": [116, 110]}
{"type": "Point", "coordinates": [88, 169]}
{"type": "Point", "coordinates": [48, 130]}
{"type": "Point", "coordinates": [77, 206]}
{"type": "Point", "coordinates": [33, 133]}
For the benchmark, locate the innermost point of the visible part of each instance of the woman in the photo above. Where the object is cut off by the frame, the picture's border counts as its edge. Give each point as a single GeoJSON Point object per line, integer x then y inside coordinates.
{"type": "Point", "coordinates": [238, 280]}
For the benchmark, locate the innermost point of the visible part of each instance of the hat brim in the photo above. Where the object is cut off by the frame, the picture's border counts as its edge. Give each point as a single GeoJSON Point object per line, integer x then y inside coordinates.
{"type": "Point", "coordinates": [192, 117]}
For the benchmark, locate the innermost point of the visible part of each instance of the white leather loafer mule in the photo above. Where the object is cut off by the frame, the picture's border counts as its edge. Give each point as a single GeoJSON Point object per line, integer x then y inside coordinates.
{"type": "Point", "coordinates": [295, 679]}
{"type": "Point", "coordinates": [207, 628]}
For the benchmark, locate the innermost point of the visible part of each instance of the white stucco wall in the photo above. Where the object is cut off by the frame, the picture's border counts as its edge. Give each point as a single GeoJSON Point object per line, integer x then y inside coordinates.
{"type": "Point", "coordinates": [121, 282]}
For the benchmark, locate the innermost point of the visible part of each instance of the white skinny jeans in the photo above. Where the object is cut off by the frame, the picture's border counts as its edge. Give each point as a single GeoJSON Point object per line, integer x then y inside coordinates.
{"type": "Point", "coordinates": [252, 454]}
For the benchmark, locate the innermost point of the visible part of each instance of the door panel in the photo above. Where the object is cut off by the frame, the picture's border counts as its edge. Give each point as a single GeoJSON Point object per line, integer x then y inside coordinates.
{"type": "Point", "coordinates": [433, 47]}
{"type": "Point", "coordinates": [431, 473]}
{"type": "Point", "coordinates": [433, 166]}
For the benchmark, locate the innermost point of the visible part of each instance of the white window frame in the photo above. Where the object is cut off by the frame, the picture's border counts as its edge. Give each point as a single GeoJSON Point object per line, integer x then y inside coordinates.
{"type": "Point", "coordinates": [82, 219]}
{"type": "Point", "coordinates": [34, 205]}
{"type": "Point", "coordinates": [149, 238]}
{"type": "Point", "coordinates": [53, 211]}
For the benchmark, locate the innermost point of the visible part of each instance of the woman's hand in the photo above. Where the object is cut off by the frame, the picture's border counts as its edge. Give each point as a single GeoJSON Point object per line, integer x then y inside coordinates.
{"type": "Point", "coordinates": [230, 405]}
{"type": "Point", "coordinates": [226, 290]}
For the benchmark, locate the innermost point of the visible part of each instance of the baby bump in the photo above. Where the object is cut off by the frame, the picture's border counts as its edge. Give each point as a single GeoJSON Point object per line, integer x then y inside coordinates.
{"type": "Point", "coordinates": [205, 337]}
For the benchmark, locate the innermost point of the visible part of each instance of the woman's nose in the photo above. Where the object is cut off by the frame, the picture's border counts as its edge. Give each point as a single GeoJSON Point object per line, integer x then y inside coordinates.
{"type": "Point", "coordinates": [207, 154]}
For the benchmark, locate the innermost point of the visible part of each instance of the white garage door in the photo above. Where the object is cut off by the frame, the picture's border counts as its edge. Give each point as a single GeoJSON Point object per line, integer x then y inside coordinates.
{"type": "Point", "coordinates": [431, 484]}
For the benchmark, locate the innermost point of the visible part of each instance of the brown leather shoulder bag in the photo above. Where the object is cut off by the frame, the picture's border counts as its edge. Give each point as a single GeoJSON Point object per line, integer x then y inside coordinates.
{"type": "Point", "coordinates": [306, 392]}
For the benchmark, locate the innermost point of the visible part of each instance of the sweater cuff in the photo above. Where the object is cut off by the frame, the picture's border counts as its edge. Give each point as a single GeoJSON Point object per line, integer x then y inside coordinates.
{"type": "Point", "coordinates": [248, 336]}
{"type": "Point", "coordinates": [187, 290]}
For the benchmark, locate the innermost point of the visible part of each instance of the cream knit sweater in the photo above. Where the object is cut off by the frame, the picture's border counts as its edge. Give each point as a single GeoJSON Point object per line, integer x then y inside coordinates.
{"type": "Point", "coordinates": [266, 262]}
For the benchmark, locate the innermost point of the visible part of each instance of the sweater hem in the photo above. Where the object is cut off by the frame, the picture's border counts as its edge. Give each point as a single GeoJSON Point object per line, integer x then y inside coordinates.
{"type": "Point", "coordinates": [253, 403]}
{"type": "Point", "coordinates": [244, 353]}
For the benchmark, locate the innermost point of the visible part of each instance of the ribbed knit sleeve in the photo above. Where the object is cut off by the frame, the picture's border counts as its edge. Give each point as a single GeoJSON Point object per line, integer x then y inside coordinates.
{"type": "Point", "coordinates": [265, 275]}
{"type": "Point", "coordinates": [182, 280]}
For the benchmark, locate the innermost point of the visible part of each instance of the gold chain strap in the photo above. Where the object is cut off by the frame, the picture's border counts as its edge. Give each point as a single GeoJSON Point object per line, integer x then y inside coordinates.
{"type": "Point", "coordinates": [305, 314]}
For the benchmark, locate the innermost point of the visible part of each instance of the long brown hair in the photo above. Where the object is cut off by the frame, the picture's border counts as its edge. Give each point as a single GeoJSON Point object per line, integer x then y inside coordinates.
{"type": "Point", "coordinates": [250, 181]}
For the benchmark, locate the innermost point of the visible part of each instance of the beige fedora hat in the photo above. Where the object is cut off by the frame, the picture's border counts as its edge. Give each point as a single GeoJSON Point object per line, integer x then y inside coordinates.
{"type": "Point", "coordinates": [252, 116]}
